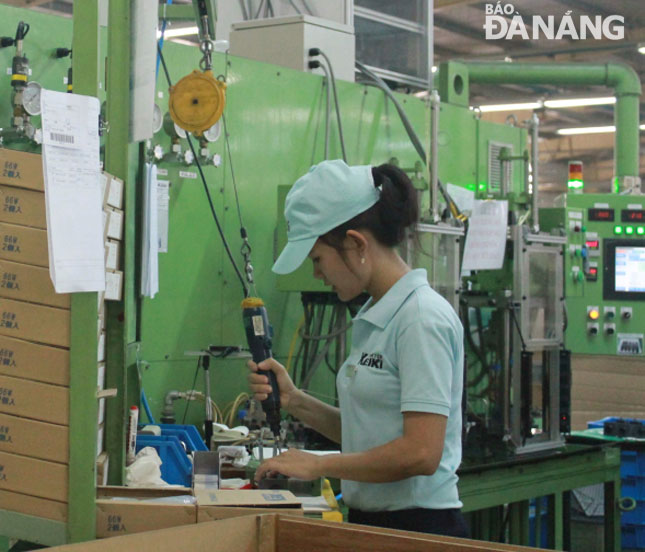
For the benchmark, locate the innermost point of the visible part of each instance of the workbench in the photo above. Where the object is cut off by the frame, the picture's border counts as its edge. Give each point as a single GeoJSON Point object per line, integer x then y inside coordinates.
{"type": "Point", "coordinates": [485, 489]}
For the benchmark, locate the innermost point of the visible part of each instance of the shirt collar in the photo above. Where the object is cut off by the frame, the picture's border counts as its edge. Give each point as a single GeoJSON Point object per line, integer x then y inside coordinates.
{"type": "Point", "coordinates": [382, 312]}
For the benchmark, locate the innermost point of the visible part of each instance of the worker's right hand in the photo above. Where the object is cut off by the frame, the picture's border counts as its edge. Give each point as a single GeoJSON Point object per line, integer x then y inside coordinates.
{"type": "Point", "coordinates": [259, 382]}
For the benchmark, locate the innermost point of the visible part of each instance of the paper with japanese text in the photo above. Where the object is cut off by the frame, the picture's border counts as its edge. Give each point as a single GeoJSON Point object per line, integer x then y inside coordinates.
{"type": "Point", "coordinates": [73, 200]}
{"type": "Point", "coordinates": [486, 238]}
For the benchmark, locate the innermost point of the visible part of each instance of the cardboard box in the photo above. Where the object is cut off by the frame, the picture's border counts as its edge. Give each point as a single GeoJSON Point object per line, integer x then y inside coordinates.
{"type": "Point", "coordinates": [34, 400]}
{"type": "Point", "coordinates": [114, 196]}
{"type": "Point", "coordinates": [33, 506]}
{"type": "Point", "coordinates": [38, 323]}
{"type": "Point", "coordinates": [114, 223]}
{"type": "Point", "coordinates": [100, 438]}
{"type": "Point", "coordinates": [606, 386]}
{"type": "Point", "coordinates": [257, 498]}
{"type": "Point", "coordinates": [102, 467]}
{"type": "Point", "coordinates": [34, 439]}
{"type": "Point", "coordinates": [33, 477]}
{"type": "Point", "coordinates": [112, 255]}
{"type": "Point", "coordinates": [32, 361]}
{"type": "Point", "coordinates": [31, 283]}
{"type": "Point", "coordinates": [113, 285]}
{"type": "Point", "coordinates": [100, 384]}
{"type": "Point", "coordinates": [25, 207]}
{"type": "Point", "coordinates": [100, 355]}
{"type": "Point", "coordinates": [101, 414]}
{"type": "Point", "coordinates": [123, 510]}
{"type": "Point", "coordinates": [23, 244]}
{"type": "Point", "coordinates": [283, 533]}
{"type": "Point", "coordinates": [213, 505]}
{"type": "Point", "coordinates": [21, 169]}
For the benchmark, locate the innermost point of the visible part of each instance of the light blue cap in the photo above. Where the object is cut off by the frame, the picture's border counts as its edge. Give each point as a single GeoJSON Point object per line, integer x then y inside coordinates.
{"type": "Point", "coordinates": [330, 194]}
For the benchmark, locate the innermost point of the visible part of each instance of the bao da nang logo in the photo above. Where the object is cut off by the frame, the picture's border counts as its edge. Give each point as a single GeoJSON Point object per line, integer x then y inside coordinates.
{"type": "Point", "coordinates": [503, 22]}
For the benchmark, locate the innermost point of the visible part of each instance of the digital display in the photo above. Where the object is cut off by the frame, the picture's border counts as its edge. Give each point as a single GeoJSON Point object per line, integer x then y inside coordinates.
{"type": "Point", "coordinates": [632, 215]}
{"type": "Point", "coordinates": [629, 269]}
{"type": "Point", "coordinates": [592, 244]}
{"type": "Point", "coordinates": [601, 215]}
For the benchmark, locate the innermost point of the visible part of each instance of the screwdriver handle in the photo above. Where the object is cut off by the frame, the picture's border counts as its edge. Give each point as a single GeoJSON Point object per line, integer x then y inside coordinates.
{"type": "Point", "coordinates": [258, 336]}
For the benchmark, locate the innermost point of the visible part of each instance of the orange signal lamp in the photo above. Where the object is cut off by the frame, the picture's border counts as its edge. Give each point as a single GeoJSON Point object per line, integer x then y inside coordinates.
{"type": "Point", "coordinates": [594, 314]}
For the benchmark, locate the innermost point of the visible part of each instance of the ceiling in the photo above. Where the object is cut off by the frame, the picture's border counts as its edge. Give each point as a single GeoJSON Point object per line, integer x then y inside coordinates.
{"type": "Point", "coordinates": [459, 34]}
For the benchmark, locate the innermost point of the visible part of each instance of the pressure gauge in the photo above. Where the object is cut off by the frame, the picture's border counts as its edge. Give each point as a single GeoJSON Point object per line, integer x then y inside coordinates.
{"type": "Point", "coordinates": [179, 131]}
{"type": "Point", "coordinates": [157, 119]}
{"type": "Point", "coordinates": [31, 98]}
{"type": "Point", "coordinates": [214, 132]}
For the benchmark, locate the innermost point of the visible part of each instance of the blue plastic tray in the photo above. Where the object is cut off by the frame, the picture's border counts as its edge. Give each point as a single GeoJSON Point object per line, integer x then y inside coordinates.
{"type": "Point", "coordinates": [176, 467]}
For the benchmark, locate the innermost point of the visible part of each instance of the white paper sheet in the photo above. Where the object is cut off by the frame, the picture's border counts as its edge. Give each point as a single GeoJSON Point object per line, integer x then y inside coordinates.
{"type": "Point", "coordinates": [150, 245]}
{"type": "Point", "coordinates": [463, 197]}
{"type": "Point", "coordinates": [486, 239]}
{"type": "Point", "coordinates": [163, 200]}
{"type": "Point", "coordinates": [73, 199]}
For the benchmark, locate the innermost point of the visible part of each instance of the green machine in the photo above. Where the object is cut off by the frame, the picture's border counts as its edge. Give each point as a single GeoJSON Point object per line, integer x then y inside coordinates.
{"type": "Point", "coordinates": [604, 271]}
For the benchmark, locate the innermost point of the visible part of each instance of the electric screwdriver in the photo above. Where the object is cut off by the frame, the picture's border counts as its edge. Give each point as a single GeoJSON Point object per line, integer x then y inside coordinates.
{"type": "Point", "coordinates": [258, 335]}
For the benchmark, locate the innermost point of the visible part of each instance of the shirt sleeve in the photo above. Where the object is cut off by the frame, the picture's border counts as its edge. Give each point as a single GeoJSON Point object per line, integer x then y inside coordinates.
{"type": "Point", "coordinates": [426, 361]}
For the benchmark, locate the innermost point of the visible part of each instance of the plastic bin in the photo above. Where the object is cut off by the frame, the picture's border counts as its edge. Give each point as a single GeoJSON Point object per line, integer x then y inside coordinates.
{"type": "Point", "coordinates": [635, 516]}
{"type": "Point", "coordinates": [187, 434]}
{"type": "Point", "coordinates": [633, 536]}
{"type": "Point", "coordinates": [176, 467]}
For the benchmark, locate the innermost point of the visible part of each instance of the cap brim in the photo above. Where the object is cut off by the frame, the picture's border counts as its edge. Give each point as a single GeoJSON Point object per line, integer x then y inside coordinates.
{"type": "Point", "coordinates": [293, 255]}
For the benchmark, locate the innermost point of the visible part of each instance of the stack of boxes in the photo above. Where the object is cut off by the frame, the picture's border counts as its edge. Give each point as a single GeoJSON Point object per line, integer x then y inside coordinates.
{"type": "Point", "coordinates": [35, 341]}
{"type": "Point", "coordinates": [34, 350]}
{"type": "Point", "coordinates": [112, 188]}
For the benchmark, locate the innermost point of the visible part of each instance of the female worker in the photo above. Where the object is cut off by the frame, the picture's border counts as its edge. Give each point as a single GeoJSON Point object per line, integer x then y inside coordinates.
{"type": "Point", "coordinates": [399, 421]}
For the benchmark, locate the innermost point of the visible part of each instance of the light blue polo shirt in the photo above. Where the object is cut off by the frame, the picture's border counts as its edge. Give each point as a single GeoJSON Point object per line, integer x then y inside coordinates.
{"type": "Point", "coordinates": [406, 356]}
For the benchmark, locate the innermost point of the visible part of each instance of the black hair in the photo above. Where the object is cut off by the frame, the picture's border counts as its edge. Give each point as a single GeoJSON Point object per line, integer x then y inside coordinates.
{"type": "Point", "coordinates": [387, 220]}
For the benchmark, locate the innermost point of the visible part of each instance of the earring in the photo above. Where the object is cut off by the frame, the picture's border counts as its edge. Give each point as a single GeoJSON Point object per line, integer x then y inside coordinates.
{"type": "Point", "coordinates": [362, 260]}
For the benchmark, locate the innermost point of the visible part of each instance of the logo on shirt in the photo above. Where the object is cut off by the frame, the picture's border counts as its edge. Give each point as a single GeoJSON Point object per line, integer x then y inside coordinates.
{"type": "Point", "coordinates": [374, 360]}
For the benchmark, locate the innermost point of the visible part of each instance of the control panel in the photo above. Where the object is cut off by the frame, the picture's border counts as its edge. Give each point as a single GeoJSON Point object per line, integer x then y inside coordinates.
{"type": "Point", "coordinates": [604, 270]}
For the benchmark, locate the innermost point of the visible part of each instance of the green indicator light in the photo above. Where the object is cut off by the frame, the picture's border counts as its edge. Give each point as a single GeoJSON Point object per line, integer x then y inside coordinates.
{"type": "Point", "coordinates": [629, 230]}
{"type": "Point", "coordinates": [575, 184]}
{"type": "Point", "coordinates": [616, 185]}
{"type": "Point", "coordinates": [640, 230]}
{"type": "Point", "coordinates": [471, 187]}
{"type": "Point", "coordinates": [618, 229]}
{"type": "Point", "coordinates": [482, 186]}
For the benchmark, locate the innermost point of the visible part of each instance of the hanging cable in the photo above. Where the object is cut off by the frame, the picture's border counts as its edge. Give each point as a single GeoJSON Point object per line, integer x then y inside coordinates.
{"type": "Point", "coordinates": [208, 195]}
{"type": "Point", "coordinates": [381, 84]}
{"type": "Point", "coordinates": [315, 64]}
{"type": "Point", "coordinates": [517, 325]}
{"type": "Point", "coordinates": [316, 52]}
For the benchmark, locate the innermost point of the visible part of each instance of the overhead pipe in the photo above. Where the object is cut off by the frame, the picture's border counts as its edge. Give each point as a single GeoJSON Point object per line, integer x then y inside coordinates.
{"type": "Point", "coordinates": [622, 78]}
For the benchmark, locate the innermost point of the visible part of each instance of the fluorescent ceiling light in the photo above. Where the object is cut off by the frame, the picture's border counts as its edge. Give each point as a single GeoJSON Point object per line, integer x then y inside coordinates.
{"type": "Point", "coordinates": [184, 31]}
{"type": "Point", "coordinates": [579, 102]}
{"type": "Point", "coordinates": [589, 130]}
{"type": "Point", "coordinates": [509, 107]}
{"type": "Point", "coordinates": [552, 104]}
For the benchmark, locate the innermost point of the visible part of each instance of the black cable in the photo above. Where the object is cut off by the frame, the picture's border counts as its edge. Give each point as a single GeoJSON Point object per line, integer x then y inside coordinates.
{"type": "Point", "coordinates": [199, 361]}
{"type": "Point", "coordinates": [230, 162]}
{"type": "Point", "coordinates": [380, 83]}
{"type": "Point", "coordinates": [208, 195]}
{"type": "Point", "coordinates": [163, 64]}
{"type": "Point", "coordinates": [517, 325]}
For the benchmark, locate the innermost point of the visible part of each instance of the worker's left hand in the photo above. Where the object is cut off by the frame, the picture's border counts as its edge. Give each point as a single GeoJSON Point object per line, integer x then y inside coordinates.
{"type": "Point", "coordinates": [292, 463]}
